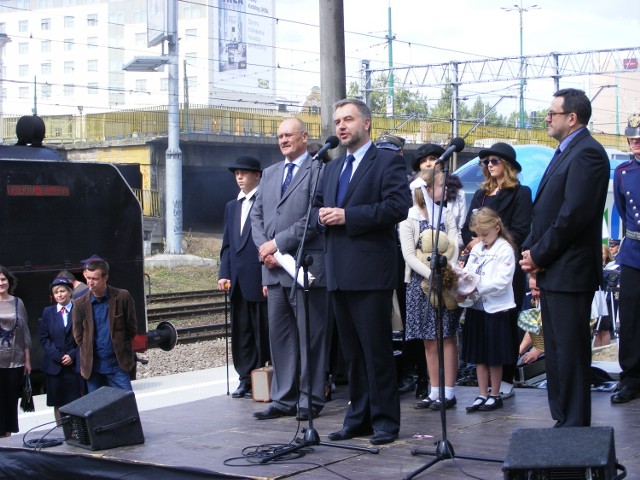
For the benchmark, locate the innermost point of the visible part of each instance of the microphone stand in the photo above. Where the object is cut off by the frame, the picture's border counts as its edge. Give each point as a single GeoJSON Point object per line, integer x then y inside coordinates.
{"type": "Point", "coordinates": [444, 449]}
{"type": "Point", "coordinates": [311, 436]}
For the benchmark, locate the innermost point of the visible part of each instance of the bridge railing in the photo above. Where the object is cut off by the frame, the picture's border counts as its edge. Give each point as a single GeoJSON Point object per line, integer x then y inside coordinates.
{"type": "Point", "coordinates": [152, 122]}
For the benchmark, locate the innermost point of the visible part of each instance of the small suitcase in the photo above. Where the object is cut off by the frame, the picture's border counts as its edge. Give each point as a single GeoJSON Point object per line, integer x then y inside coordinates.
{"type": "Point", "coordinates": [261, 383]}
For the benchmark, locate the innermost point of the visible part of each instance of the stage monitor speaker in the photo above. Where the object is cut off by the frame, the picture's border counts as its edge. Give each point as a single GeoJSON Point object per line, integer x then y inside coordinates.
{"type": "Point", "coordinates": [105, 418]}
{"type": "Point", "coordinates": [573, 453]}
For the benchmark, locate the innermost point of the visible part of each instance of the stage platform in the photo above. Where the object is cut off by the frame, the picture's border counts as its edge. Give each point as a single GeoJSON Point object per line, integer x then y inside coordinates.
{"type": "Point", "coordinates": [206, 439]}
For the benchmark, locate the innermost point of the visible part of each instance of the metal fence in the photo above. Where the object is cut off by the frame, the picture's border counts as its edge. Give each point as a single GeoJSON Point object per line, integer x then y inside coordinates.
{"type": "Point", "coordinates": [152, 122]}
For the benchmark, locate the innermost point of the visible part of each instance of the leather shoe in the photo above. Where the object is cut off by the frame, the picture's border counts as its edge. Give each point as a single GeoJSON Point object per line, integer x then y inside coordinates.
{"type": "Point", "coordinates": [347, 433]}
{"type": "Point", "coordinates": [625, 394]}
{"type": "Point", "coordinates": [448, 403]}
{"type": "Point", "coordinates": [241, 391]}
{"type": "Point", "coordinates": [382, 437]}
{"type": "Point", "coordinates": [303, 414]}
{"type": "Point", "coordinates": [493, 403]}
{"type": "Point", "coordinates": [424, 403]}
{"type": "Point", "coordinates": [272, 412]}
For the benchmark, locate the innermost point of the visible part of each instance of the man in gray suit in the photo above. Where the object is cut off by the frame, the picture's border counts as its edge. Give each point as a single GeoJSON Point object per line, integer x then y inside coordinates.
{"type": "Point", "coordinates": [278, 221]}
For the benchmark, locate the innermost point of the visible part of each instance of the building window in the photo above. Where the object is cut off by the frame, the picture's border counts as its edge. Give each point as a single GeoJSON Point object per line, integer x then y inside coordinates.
{"type": "Point", "coordinates": [191, 58]}
{"type": "Point", "coordinates": [45, 24]}
{"type": "Point", "coordinates": [45, 46]}
{"type": "Point", "coordinates": [92, 65]}
{"type": "Point", "coordinates": [68, 44]}
{"type": "Point", "coordinates": [141, 85]}
{"type": "Point", "coordinates": [92, 43]}
{"type": "Point", "coordinates": [23, 48]}
{"type": "Point", "coordinates": [23, 70]}
{"type": "Point", "coordinates": [68, 22]}
{"type": "Point", "coordinates": [164, 84]}
{"type": "Point", "coordinates": [68, 67]}
{"type": "Point", "coordinates": [192, 81]}
{"type": "Point", "coordinates": [45, 90]}
{"type": "Point", "coordinates": [46, 69]}
{"type": "Point", "coordinates": [92, 19]}
{"type": "Point", "coordinates": [68, 90]}
{"type": "Point", "coordinates": [23, 92]}
{"type": "Point", "coordinates": [23, 26]}
{"type": "Point", "coordinates": [141, 39]}
{"type": "Point", "coordinates": [92, 88]}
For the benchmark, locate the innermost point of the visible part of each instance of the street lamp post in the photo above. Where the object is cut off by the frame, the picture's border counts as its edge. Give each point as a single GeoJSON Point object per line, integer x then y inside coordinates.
{"type": "Point", "coordinates": [520, 9]}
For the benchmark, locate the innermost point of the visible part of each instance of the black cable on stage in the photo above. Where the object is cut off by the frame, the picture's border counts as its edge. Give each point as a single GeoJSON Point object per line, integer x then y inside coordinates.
{"type": "Point", "coordinates": [43, 442]}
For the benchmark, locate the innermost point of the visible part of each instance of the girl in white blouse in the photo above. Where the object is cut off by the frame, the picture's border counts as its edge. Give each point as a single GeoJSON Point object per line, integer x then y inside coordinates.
{"type": "Point", "coordinates": [487, 341]}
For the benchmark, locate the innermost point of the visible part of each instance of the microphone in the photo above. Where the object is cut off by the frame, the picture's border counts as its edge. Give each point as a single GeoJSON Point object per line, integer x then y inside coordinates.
{"type": "Point", "coordinates": [332, 142]}
{"type": "Point", "coordinates": [456, 145]}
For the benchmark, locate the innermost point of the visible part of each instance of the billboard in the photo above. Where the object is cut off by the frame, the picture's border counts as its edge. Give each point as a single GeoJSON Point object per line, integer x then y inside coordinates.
{"type": "Point", "coordinates": [156, 22]}
{"type": "Point", "coordinates": [244, 54]}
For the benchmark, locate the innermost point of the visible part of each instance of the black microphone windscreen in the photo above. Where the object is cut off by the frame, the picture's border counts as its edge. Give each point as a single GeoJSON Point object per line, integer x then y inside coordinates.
{"type": "Point", "coordinates": [333, 141]}
{"type": "Point", "coordinates": [458, 143]}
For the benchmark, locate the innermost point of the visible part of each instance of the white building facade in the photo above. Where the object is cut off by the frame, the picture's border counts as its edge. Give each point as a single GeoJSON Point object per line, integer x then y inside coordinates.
{"type": "Point", "coordinates": [66, 56]}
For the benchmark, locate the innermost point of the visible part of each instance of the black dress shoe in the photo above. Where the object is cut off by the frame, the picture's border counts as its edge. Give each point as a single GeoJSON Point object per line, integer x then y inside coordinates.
{"type": "Point", "coordinates": [494, 402]}
{"type": "Point", "coordinates": [448, 403]}
{"type": "Point", "coordinates": [347, 432]}
{"type": "Point", "coordinates": [407, 384]}
{"type": "Point", "coordinates": [303, 415]}
{"type": "Point", "coordinates": [381, 437]}
{"type": "Point", "coordinates": [241, 391]}
{"type": "Point", "coordinates": [424, 403]}
{"type": "Point", "coordinates": [272, 412]}
{"type": "Point", "coordinates": [625, 394]}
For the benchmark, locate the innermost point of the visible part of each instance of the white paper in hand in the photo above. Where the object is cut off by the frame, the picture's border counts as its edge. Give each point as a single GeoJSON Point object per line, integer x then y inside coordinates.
{"type": "Point", "coordinates": [287, 262]}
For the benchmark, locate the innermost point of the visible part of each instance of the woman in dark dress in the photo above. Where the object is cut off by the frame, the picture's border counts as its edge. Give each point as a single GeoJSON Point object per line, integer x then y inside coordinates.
{"type": "Point", "coordinates": [15, 357]}
{"type": "Point", "coordinates": [502, 192]}
{"type": "Point", "coordinates": [60, 350]}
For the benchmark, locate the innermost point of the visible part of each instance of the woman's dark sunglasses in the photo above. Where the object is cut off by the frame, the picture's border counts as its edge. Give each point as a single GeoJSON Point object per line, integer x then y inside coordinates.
{"type": "Point", "coordinates": [492, 161]}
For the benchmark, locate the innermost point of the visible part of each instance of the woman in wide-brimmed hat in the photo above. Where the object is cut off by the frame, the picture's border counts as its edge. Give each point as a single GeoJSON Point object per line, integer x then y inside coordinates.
{"type": "Point", "coordinates": [502, 192]}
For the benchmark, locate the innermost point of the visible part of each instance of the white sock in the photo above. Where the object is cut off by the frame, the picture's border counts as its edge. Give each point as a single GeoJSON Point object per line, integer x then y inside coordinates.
{"type": "Point", "coordinates": [434, 393]}
{"type": "Point", "coordinates": [479, 399]}
{"type": "Point", "coordinates": [449, 392]}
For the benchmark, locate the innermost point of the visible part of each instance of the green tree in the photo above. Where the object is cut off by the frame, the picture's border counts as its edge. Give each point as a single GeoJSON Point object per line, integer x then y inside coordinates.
{"type": "Point", "coordinates": [406, 102]}
{"type": "Point", "coordinates": [442, 110]}
{"type": "Point", "coordinates": [480, 109]}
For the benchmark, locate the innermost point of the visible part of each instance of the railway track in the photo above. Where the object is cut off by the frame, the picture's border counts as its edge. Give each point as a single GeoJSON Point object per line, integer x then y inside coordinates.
{"type": "Point", "coordinates": [199, 333]}
{"type": "Point", "coordinates": [173, 297]}
{"type": "Point", "coordinates": [205, 308]}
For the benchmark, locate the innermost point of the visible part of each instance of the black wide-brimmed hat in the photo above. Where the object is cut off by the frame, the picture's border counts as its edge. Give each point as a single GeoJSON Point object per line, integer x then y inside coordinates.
{"type": "Point", "coordinates": [246, 162]}
{"type": "Point", "coordinates": [504, 151]}
{"type": "Point", "coordinates": [424, 151]}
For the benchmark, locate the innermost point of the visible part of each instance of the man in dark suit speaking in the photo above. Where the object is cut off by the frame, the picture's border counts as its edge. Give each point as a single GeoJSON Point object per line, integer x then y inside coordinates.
{"type": "Point", "coordinates": [564, 251]}
{"type": "Point", "coordinates": [364, 196]}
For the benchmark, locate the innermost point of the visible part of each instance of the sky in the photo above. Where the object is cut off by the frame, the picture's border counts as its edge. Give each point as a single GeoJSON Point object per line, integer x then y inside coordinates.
{"type": "Point", "coordinates": [434, 32]}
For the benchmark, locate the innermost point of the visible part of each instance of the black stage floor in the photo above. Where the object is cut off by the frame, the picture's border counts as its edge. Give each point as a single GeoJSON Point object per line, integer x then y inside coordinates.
{"type": "Point", "coordinates": [194, 440]}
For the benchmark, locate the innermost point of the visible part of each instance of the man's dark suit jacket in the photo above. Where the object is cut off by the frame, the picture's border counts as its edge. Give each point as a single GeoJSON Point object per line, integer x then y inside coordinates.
{"type": "Point", "coordinates": [57, 340]}
{"type": "Point", "coordinates": [362, 255]}
{"type": "Point", "coordinates": [122, 325]}
{"type": "Point", "coordinates": [566, 226]}
{"type": "Point", "coordinates": [566, 242]}
{"type": "Point", "coordinates": [239, 260]}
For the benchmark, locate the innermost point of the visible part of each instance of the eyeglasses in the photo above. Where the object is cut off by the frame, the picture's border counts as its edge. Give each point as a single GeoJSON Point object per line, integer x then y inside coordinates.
{"type": "Point", "coordinates": [550, 114]}
{"type": "Point", "coordinates": [492, 161]}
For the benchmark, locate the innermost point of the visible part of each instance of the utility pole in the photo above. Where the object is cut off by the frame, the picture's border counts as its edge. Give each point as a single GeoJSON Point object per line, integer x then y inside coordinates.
{"type": "Point", "coordinates": [390, 94]}
{"type": "Point", "coordinates": [520, 9]}
{"type": "Point", "coordinates": [333, 75]}
{"type": "Point", "coordinates": [173, 174]}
